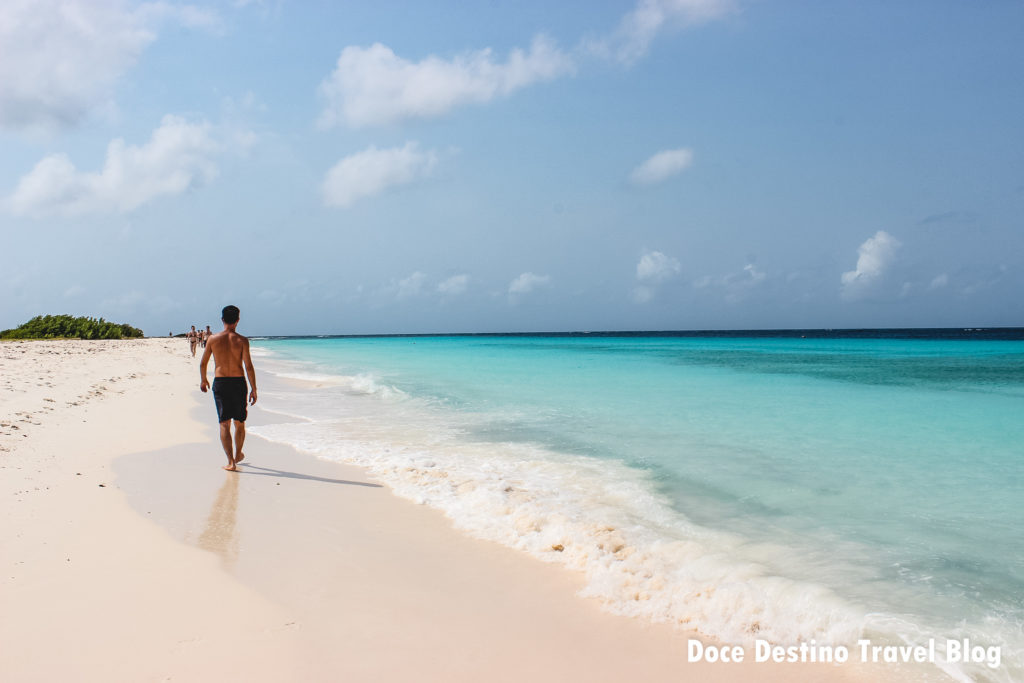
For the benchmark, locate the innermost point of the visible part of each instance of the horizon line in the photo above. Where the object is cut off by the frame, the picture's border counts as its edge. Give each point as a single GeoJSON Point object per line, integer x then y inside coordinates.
{"type": "Point", "coordinates": [849, 332]}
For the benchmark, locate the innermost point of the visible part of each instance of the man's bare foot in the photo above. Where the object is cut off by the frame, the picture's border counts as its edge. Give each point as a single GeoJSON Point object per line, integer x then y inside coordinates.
{"type": "Point", "coordinates": [231, 468]}
{"type": "Point", "coordinates": [239, 458]}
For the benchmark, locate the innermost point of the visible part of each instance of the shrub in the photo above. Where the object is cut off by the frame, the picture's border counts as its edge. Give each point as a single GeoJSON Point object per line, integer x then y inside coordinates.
{"type": "Point", "coordinates": [68, 327]}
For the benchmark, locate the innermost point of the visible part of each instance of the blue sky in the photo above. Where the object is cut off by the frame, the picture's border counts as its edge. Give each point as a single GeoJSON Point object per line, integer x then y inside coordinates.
{"type": "Point", "coordinates": [395, 167]}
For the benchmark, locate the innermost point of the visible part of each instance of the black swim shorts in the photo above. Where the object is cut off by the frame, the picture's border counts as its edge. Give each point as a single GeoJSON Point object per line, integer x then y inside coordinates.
{"type": "Point", "coordinates": [230, 394]}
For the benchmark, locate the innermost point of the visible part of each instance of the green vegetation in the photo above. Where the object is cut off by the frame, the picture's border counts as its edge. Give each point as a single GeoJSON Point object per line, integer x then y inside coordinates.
{"type": "Point", "coordinates": [67, 327]}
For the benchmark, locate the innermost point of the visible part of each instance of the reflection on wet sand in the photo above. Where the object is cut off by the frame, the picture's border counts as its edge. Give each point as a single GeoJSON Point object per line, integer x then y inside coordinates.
{"type": "Point", "coordinates": [220, 535]}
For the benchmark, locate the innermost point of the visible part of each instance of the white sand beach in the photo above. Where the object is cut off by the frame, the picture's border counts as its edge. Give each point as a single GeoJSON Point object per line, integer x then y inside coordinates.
{"type": "Point", "coordinates": [129, 555]}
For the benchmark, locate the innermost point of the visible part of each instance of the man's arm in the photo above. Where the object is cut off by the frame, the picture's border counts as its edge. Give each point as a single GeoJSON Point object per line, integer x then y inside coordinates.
{"type": "Point", "coordinates": [203, 384]}
{"type": "Point", "coordinates": [250, 372]}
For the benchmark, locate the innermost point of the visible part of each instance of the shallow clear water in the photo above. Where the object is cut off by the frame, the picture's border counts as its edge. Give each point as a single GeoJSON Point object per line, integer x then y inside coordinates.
{"type": "Point", "coordinates": [748, 487]}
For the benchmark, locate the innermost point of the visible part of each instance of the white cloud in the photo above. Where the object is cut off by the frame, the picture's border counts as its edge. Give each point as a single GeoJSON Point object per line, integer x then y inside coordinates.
{"type": "Point", "coordinates": [74, 290]}
{"type": "Point", "coordinates": [655, 266]}
{"type": "Point", "coordinates": [661, 166]}
{"type": "Point", "coordinates": [939, 281]}
{"type": "Point", "coordinates": [454, 285]}
{"type": "Point", "coordinates": [373, 86]}
{"type": "Point", "coordinates": [60, 60]}
{"type": "Point", "coordinates": [653, 269]}
{"type": "Point", "coordinates": [179, 155]}
{"type": "Point", "coordinates": [373, 170]}
{"type": "Point", "coordinates": [874, 257]}
{"type": "Point", "coordinates": [738, 285]}
{"type": "Point", "coordinates": [754, 276]}
{"type": "Point", "coordinates": [639, 28]}
{"type": "Point", "coordinates": [526, 283]}
{"type": "Point", "coordinates": [410, 286]}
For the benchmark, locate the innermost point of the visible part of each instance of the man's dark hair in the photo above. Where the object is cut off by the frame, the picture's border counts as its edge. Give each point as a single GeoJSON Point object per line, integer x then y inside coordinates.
{"type": "Point", "coordinates": [230, 314]}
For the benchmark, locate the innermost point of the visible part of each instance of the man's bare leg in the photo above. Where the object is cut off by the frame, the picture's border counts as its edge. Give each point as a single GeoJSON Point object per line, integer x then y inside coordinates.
{"type": "Point", "coordinates": [225, 441]}
{"type": "Point", "coordinates": [239, 440]}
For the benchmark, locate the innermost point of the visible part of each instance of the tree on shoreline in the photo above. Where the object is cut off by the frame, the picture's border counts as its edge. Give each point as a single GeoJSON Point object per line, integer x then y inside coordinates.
{"type": "Point", "coordinates": [68, 327]}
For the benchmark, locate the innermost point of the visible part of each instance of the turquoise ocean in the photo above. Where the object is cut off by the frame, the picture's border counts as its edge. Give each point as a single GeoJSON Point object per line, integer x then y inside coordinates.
{"type": "Point", "coordinates": [828, 488]}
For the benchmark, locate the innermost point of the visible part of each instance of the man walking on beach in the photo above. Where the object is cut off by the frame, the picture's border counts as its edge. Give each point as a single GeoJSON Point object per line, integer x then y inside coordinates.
{"type": "Point", "coordinates": [230, 354]}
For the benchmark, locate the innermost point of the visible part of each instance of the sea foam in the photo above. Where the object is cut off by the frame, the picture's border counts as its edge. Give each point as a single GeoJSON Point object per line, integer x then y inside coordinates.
{"type": "Point", "coordinates": [640, 557]}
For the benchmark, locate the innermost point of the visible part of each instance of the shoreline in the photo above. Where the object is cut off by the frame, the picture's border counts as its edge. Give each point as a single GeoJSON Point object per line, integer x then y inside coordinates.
{"type": "Point", "coordinates": [153, 562]}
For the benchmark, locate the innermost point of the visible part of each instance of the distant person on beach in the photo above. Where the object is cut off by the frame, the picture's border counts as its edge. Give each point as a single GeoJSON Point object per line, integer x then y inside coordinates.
{"type": "Point", "coordinates": [193, 339]}
{"type": "Point", "coordinates": [206, 335]}
{"type": "Point", "coordinates": [231, 356]}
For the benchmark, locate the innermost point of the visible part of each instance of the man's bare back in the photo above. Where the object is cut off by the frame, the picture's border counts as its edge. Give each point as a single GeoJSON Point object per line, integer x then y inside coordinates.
{"type": "Point", "coordinates": [230, 350]}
